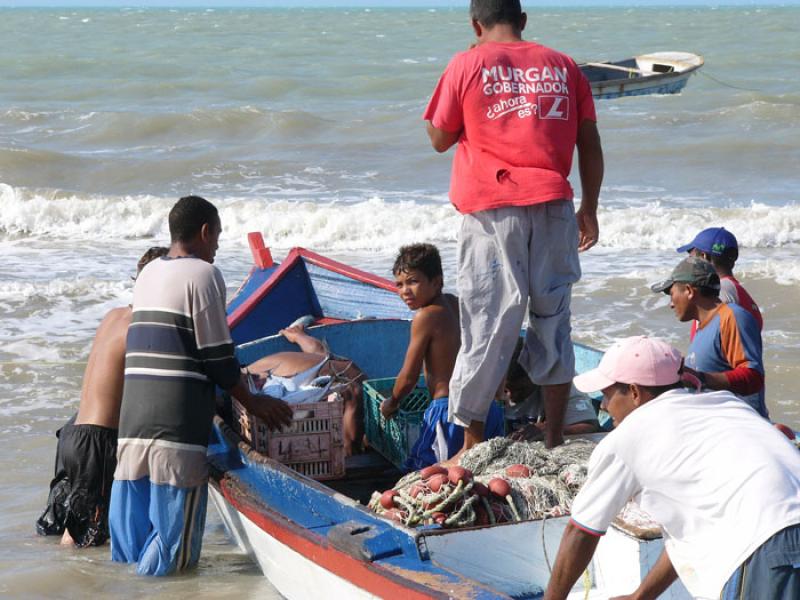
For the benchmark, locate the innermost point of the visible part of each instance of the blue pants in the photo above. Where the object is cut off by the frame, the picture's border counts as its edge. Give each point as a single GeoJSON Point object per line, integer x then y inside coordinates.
{"type": "Point", "coordinates": [772, 572]}
{"type": "Point", "coordinates": [157, 525]}
{"type": "Point", "coordinates": [422, 454]}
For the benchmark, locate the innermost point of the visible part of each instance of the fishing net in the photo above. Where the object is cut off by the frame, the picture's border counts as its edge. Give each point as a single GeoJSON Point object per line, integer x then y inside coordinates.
{"type": "Point", "coordinates": [535, 483]}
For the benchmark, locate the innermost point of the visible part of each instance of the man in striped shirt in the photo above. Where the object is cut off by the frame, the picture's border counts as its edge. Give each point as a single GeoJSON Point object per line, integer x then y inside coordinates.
{"type": "Point", "coordinates": [178, 351]}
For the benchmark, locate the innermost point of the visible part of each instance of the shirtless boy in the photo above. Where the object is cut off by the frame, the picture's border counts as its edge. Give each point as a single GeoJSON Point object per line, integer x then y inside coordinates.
{"type": "Point", "coordinates": [86, 455]}
{"type": "Point", "coordinates": [434, 344]}
{"type": "Point", "coordinates": [315, 360]}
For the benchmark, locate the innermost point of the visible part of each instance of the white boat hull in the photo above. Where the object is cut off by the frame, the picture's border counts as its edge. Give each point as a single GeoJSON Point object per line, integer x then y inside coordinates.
{"type": "Point", "coordinates": [292, 574]}
{"type": "Point", "coordinates": [512, 559]}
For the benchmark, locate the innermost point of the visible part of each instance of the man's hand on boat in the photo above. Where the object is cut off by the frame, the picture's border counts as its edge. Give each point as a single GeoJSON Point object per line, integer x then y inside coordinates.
{"type": "Point", "coordinates": [274, 412]}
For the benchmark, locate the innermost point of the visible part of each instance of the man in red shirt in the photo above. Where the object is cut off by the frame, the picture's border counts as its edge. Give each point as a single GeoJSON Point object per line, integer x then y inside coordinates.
{"type": "Point", "coordinates": [517, 111]}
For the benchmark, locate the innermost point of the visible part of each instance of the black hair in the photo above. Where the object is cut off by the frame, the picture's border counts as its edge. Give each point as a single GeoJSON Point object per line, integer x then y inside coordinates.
{"type": "Point", "coordinates": [704, 290]}
{"type": "Point", "coordinates": [517, 382]}
{"type": "Point", "coordinates": [516, 373]}
{"type": "Point", "coordinates": [151, 254]}
{"type": "Point", "coordinates": [726, 260]}
{"type": "Point", "coordinates": [491, 12]}
{"type": "Point", "coordinates": [654, 390]}
{"type": "Point", "coordinates": [707, 292]}
{"type": "Point", "coordinates": [421, 257]}
{"type": "Point", "coordinates": [188, 216]}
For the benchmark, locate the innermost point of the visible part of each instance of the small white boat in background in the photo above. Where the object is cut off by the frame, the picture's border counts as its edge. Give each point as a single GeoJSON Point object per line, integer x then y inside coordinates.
{"type": "Point", "coordinates": [655, 73]}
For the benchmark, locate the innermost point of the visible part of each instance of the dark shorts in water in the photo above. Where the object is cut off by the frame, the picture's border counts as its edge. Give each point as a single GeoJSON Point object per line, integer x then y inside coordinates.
{"type": "Point", "coordinates": [86, 457]}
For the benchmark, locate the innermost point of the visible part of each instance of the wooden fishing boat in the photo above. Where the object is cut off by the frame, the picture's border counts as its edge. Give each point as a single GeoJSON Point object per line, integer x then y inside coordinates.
{"type": "Point", "coordinates": [315, 539]}
{"type": "Point", "coordinates": [655, 73]}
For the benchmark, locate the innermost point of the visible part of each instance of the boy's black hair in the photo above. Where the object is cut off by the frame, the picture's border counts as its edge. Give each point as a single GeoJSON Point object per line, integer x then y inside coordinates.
{"type": "Point", "coordinates": [517, 383]}
{"type": "Point", "coordinates": [188, 216]}
{"type": "Point", "coordinates": [515, 371]}
{"type": "Point", "coordinates": [151, 254]}
{"type": "Point", "coordinates": [422, 257]}
{"type": "Point", "coordinates": [491, 12]}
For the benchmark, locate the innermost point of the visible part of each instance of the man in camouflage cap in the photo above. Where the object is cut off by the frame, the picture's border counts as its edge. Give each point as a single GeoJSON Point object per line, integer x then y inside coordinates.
{"type": "Point", "coordinates": [725, 353]}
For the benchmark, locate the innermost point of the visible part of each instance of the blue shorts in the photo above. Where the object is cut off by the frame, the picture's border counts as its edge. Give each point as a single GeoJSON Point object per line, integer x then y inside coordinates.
{"type": "Point", "coordinates": [422, 454]}
{"type": "Point", "coordinates": [157, 525]}
{"type": "Point", "coordinates": [772, 572]}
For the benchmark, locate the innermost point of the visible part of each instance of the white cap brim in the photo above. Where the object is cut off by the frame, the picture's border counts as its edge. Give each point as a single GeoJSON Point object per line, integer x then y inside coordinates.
{"type": "Point", "coordinates": [592, 381]}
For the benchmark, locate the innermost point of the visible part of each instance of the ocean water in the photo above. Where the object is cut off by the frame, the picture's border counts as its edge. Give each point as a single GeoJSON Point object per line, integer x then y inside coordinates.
{"type": "Point", "coordinates": [306, 125]}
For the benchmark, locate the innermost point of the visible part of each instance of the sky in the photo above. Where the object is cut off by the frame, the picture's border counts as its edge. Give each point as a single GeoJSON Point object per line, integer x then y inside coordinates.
{"type": "Point", "coordinates": [378, 3]}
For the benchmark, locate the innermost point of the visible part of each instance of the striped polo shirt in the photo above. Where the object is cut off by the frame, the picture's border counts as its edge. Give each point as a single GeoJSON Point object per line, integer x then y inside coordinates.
{"type": "Point", "coordinates": [179, 349]}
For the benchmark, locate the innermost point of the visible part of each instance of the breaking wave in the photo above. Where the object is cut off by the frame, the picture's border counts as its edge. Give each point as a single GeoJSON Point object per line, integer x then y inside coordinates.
{"type": "Point", "coordinates": [375, 222]}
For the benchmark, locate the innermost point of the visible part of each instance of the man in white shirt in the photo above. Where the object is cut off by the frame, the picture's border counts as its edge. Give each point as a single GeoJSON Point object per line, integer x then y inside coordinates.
{"type": "Point", "coordinates": [722, 482]}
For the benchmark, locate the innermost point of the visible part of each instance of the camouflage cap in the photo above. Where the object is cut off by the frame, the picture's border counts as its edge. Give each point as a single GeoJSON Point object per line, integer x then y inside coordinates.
{"type": "Point", "coordinates": [692, 270]}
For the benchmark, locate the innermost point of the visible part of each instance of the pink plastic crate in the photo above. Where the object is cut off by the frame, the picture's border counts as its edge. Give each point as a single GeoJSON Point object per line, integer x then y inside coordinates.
{"type": "Point", "coordinates": [312, 445]}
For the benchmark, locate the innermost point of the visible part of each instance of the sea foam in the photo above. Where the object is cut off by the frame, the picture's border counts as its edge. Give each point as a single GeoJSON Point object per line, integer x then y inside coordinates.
{"type": "Point", "coordinates": [378, 221]}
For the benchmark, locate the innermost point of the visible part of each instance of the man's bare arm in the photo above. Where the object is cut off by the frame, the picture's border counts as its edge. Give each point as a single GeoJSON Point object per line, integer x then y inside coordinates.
{"type": "Point", "coordinates": [441, 140]}
{"type": "Point", "coordinates": [412, 365]}
{"type": "Point", "coordinates": [576, 550]}
{"type": "Point", "coordinates": [297, 335]}
{"type": "Point", "coordinates": [656, 582]}
{"type": "Point", "coordinates": [591, 168]}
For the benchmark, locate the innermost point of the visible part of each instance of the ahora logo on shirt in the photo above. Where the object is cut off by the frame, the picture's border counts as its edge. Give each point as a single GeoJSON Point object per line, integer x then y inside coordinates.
{"type": "Point", "coordinates": [501, 79]}
{"type": "Point", "coordinates": [546, 107]}
{"type": "Point", "coordinates": [554, 107]}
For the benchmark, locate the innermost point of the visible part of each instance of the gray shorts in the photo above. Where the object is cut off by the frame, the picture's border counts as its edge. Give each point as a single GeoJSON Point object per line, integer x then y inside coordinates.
{"type": "Point", "coordinates": [513, 260]}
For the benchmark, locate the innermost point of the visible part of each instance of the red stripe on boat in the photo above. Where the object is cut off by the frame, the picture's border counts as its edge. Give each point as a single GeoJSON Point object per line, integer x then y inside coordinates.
{"type": "Point", "coordinates": [362, 575]}
{"type": "Point", "coordinates": [296, 254]}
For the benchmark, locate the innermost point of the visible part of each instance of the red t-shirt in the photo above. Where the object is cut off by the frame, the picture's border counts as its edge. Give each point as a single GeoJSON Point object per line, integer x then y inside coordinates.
{"type": "Point", "coordinates": [518, 106]}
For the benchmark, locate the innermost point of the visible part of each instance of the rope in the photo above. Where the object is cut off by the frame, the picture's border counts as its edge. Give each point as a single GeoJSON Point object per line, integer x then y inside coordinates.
{"type": "Point", "coordinates": [587, 583]}
{"type": "Point", "coordinates": [587, 576]}
{"type": "Point", "coordinates": [544, 547]}
{"type": "Point", "coordinates": [735, 87]}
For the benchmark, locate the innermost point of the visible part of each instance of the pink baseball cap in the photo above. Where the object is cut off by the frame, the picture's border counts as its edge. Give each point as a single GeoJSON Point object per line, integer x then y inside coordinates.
{"type": "Point", "coordinates": [638, 359]}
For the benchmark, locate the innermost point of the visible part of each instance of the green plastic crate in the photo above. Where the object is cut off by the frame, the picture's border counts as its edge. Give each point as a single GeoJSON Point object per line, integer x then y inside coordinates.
{"type": "Point", "coordinates": [394, 437]}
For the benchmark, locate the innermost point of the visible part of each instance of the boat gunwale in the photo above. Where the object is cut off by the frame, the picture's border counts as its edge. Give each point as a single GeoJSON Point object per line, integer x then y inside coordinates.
{"type": "Point", "coordinates": [300, 254]}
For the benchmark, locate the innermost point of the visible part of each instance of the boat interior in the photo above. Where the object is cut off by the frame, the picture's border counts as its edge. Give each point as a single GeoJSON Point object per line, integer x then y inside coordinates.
{"type": "Point", "coordinates": [368, 471]}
